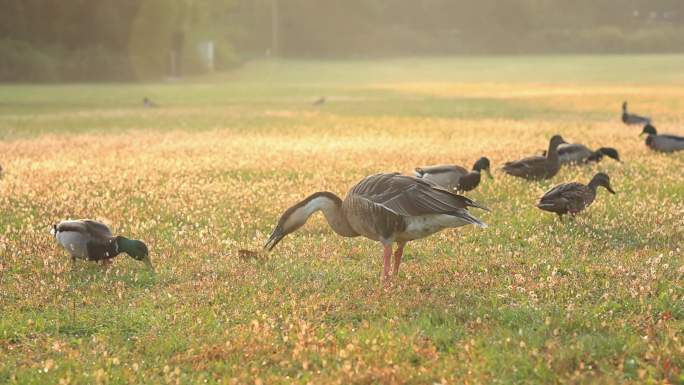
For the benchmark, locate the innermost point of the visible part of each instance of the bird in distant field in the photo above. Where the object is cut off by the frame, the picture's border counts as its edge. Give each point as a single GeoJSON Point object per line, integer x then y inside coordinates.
{"type": "Point", "coordinates": [149, 103]}
{"type": "Point", "coordinates": [662, 142]}
{"type": "Point", "coordinates": [633, 119]}
{"type": "Point", "coordinates": [320, 101]}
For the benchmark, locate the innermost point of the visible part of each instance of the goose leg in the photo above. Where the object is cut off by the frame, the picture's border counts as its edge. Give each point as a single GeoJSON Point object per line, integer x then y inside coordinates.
{"type": "Point", "coordinates": [397, 257]}
{"type": "Point", "coordinates": [387, 260]}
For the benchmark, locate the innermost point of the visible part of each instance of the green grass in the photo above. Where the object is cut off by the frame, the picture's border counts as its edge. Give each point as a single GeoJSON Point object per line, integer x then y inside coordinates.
{"type": "Point", "coordinates": [598, 299]}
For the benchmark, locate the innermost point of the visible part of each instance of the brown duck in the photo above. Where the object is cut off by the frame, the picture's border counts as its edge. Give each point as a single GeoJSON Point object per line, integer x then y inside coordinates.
{"type": "Point", "coordinates": [571, 198]}
{"type": "Point", "coordinates": [537, 167]}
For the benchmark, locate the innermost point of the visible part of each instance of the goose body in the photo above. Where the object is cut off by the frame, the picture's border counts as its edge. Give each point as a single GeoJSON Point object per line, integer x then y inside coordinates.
{"type": "Point", "coordinates": [662, 142]}
{"type": "Point", "coordinates": [453, 177]}
{"type": "Point", "coordinates": [93, 241]}
{"type": "Point", "coordinates": [633, 119]}
{"type": "Point", "coordinates": [537, 167]}
{"type": "Point", "coordinates": [578, 153]}
{"type": "Point", "coordinates": [388, 208]}
{"type": "Point", "coordinates": [573, 197]}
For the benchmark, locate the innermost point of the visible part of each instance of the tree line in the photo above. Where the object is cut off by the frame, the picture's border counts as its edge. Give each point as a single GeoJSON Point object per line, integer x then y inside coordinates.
{"type": "Point", "coordinates": [80, 40]}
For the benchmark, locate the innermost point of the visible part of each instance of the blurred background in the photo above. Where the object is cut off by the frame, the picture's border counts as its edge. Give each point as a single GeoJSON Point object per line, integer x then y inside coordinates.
{"type": "Point", "coordinates": [126, 40]}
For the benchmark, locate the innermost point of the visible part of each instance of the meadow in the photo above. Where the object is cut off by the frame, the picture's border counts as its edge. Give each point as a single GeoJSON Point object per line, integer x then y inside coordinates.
{"type": "Point", "coordinates": [598, 299]}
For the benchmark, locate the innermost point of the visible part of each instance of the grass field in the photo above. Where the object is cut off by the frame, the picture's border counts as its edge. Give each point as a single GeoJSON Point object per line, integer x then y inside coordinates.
{"type": "Point", "coordinates": [527, 300]}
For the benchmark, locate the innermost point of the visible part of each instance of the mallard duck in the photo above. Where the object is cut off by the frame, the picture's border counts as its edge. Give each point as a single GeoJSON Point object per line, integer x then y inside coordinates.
{"type": "Point", "coordinates": [454, 177]}
{"type": "Point", "coordinates": [149, 103]}
{"type": "Point", "coordinates": [573, 197]}
{"type": "Point", "coordinates": [388, 208]}
{"type": "Point", "coordinates": [632, 119]}
{"type": "Point", "coordinates": [578, 153]}
{"type": "Point", "coordinates": [537, 167]}
{"type": "Point", "coordinates": [93, 241]}
{"type": "Point", "coordinates": [662, 142]}
{"type": "Point", "coordinates": [319, 101]}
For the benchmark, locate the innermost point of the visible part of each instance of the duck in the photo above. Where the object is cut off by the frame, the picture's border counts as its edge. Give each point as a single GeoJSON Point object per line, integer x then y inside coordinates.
{"type": "Point", "coordinates": [388, 208]}
{"type": "Point", "coordinates": [453, 177]}
{"type": "Point", "coordinates": [662, 142]}
{"type": "Point", "coordinates": [575, 153]}
{"type": "Point", "coordinates": [319, 101]}
{"type": "Point", "coordinates": [93, 241]}
{"type": "Point", "coordinates": [149, 103]}
{"type": "Point", "coordinates": [571, 198]}
{"type": "Point", "coordinates": [633, 119]}
{"type": "Point", "coordinates": [537, 167]}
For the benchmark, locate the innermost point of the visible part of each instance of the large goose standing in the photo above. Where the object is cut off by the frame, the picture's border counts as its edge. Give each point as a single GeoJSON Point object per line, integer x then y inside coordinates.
{"type": "Point", "coordinates": [94, 241]}
{"type": "Point", "coordinates": [573, 197]}
{"type": "Point", "coordinates": [632, 119]}
{"type": "Point", "coordinates": [387, 208]}
{"type": "Point", "coordinates": [662, 142]}
{"type": "Point", "coordinates": [454, 177]}
{"type": "Point", "coordinates": [537, 167]}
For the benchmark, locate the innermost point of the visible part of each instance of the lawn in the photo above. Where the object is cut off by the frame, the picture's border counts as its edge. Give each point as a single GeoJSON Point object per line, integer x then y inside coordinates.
{"type": "Point", "coordinates": [598, 299]}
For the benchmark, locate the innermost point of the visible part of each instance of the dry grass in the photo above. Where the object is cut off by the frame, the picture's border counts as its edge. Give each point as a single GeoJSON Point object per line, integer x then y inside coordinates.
{"type": "Point", "coordinates": [527, 300]}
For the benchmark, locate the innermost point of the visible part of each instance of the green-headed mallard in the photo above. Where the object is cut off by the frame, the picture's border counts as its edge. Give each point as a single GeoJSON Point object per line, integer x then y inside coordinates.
{"type": "Point", "coordinates": [571, 198]}
{"type": "Point", "coordinates": [454, 177]}
{"type": "Point", "coordinates": [575, 153]}
{"type": "Point", "coordinates": [94, 241]}
{"type": "Point", "coordinates": [633, 119]}
{"type": "Point", "coordinates": [387, 208]}
{"type": "Point", "coordinates": [537, 167]}
{"type": "Point", "coordinates": [662, 142]}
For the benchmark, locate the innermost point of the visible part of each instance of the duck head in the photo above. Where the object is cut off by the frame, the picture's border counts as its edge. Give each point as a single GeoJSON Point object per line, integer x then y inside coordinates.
{"type": "Point", "coordinates": [601, 179]}
{"type": "Point", "coordinates": [607, 151]}
{"type": "Point", "coordinates": [483, 164]}
{"type": "Point", "coordinates": [649, 129]}
{"type": "Point", "coordinates": [135, 249]}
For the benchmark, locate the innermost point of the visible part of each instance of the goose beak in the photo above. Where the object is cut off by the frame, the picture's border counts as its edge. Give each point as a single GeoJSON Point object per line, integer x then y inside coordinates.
{"type": "Point", "coordinates": [273, 240]}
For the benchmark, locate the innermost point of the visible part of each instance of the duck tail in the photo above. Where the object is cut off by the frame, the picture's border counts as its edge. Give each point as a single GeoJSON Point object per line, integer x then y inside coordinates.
{"type": "Point", "coordinates": [465, 215]}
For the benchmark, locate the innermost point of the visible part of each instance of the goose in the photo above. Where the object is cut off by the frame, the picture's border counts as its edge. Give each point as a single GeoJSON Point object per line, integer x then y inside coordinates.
{"type": "Point", "coordinates": [537, 167]}
{"type": "Point", "coordinates": [632, 119]}
{"type": "Point", "coordinates": [149, 103]}
{"type": "Point", "coordinates": [388, 208]}
{"type": "Point", "coordinates": [575, 153]}
{"type": "Point", "coordinates": [319, 101]}
{"type": "Point", "coordinates": [93, 241]}
{"type": "Point", "coordinates": [573, 197]}
{"type": "Point", "coordinates": [662, 142]}
{"type": "Point", "coordinates": [454, 177]}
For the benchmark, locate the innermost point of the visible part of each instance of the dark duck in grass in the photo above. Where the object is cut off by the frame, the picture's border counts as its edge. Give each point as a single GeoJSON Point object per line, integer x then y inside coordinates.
{"type": "Point", "coordinates": [94, 241]}
{"type": "Point", "coordinates": [454, 177]}
{"type": "Point", "coordinates": [662, 142]}
{"type": "Point", "coordinates": [388, 208]}
{"type": "Point", "coordinates": [571, 198]}
{"type": "Point", "coordinates": [319, 102]}
{"type": "Point", "coordinates": [537, 167]}
{"type": "Point", "coordinates": [149, 103]}
{"type": "Point", "coordinates": [632, 119]}
{"type": "Point", "coordinates": [575, 153]}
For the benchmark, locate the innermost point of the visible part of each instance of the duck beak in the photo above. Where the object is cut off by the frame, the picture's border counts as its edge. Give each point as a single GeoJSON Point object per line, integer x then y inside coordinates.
{"type": "Point", "coordinates": [148, 263]}
{"type": "Point", "coordinates": [610, 189]}
{"type": "Point", "coordinates": [273, 240]}
{"type": "Point", "coordinates": [489, 173]}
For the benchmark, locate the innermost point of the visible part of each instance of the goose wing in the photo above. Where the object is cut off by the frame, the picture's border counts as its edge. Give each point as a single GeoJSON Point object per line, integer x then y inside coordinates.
{"type": "Point", "coordinates": [410, 196]}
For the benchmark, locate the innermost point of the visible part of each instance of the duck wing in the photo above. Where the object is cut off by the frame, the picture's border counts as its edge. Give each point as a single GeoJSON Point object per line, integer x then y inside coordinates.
{"type": "Point", "coordinates": [573, 153]}
{"type": "Point", "coordinates": [447, 176]}
{"type": "Point", "coordinates": [530, 166]}
{"type": "Point", "coordinates": [565, 197]}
